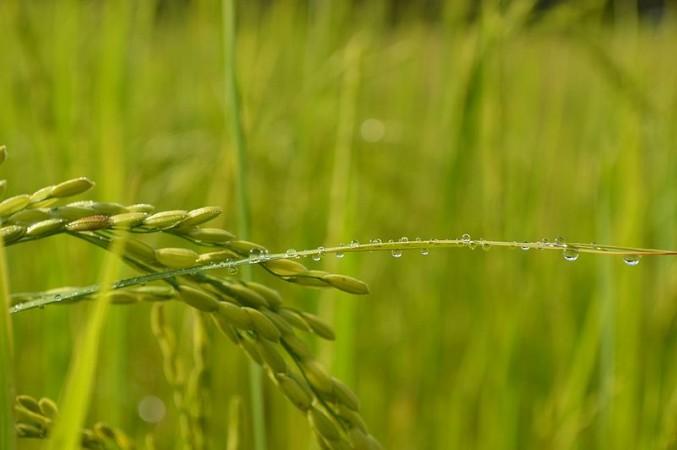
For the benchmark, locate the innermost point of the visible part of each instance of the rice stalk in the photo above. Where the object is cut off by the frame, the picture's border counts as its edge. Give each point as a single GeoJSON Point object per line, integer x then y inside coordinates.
{"type": "Point", "coordinates": [7, 440]}
{"type": "Point", "coordinates": [36, 418]}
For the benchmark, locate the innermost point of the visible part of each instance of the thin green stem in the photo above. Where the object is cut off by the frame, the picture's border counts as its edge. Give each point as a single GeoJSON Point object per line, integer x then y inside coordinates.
{"type": "Point", "coordinates": [7, 439]}
{"type": "Point", "coordinates": [40, 300]}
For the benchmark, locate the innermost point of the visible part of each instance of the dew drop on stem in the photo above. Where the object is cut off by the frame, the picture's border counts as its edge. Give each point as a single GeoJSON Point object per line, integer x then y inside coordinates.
{"type": "Point", "coordinates": [631, 260]}
{"type": "Point", "coordinates": [570, 254]}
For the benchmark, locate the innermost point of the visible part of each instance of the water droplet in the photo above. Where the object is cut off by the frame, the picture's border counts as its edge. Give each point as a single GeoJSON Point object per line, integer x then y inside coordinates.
{"type": "Point", "coordinates": [396, 252]}
{"type": "Point", "coordinates": [570, 254]}
{"type": "Point", "coordinates": [560, 242]}
{"type": "Point", "coordinates": [524, 246]}
{"type": "Point", "coordinates": [292, 253]}
{"type": "Point", "coordinates": [404, 239]}
{"type": "Point", "coordinates": [255, 255]}
{"type": "Point", "coordinates": [465, 238]}
{"type": "Point", "coordinates": [484, 245]}
{"type": "Point", "coordinates": [631, 260]}
{"type": "Point", "coordinates": [339, 253]}
{"type": "Point", "coordinates": [423, 251]}
{"type": "Point", "coordinates": [232, 269]}
{"type": "Point", "coordinates": [376, 241]}
{"type": "Point", "coordinates": [354, 243]}
{"type": "Point", "coordinates": [318, 255]}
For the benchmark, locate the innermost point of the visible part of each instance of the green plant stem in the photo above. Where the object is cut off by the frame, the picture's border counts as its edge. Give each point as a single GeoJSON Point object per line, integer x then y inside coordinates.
{"type": "Point", "coordinates": [76, 395]}
{"type": "Point", "coordinates": [7, 439]}
{"type": "Point", "coordinates": [43, 299]}
{"type": "Point", "coordinates": [234, 109]}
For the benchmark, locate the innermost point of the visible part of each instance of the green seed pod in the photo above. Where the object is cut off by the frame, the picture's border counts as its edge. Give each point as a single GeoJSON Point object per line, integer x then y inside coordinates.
{"type": "Point", "coordinates": [89, 440]}
{"type": "Point", "coordinates": [373, 443]}
{"type": "Point", "coordinates": [352, 417]}
{"type": "Point", "coordinates": [294, 392]}
{"type": "Point", "coordinates": [250, 348]}
{"type": "Point", "coordinates": [176, 258]}
{"type": "Point", "coordinates": [30, 216]}
{"type": "Point", "coordinates": [137, 249]}
{"type": "Point", "coordinates": [45, 227]}
{"type": "Point", "coordinates": [271, 295]}
{"type": "Point", "coordinates": [89, 223]}
{"type": "Point", "coordinates": [42, 194]}
{"type": "Point", "coordinates": [312, 278]}
{"type": "Point", "coordinates": [122, 298]}
{"type": "Point", "coordinates": [141, 207]}
{"type": "Point", "coordinates": [25, 430]}
{"type": "Point", "coordinates": [165, 292]}
{"type": "Point", "coordinates": [285, 267]}
{"type": "Point", "coordinates": [127, 220]}
{"type": "Point", "coordinates": [299, 348]}
{"type": "Point", "coordinates": [279, 322]}
{"type": "Point", "coordinates": [165, 219]}
{"type": "Point", "coordinates": [295, 319]}
{"type": "Point", "coordinates": [245, 295]}
{"type": "Point", "coordinates": [108, 208]}
{"type": "Point", "coordinates": [13, 204]}
{"type": "Point", "coordinates": [347, 284]}
{"type": "Point", "coordinates": [358, 439]}
{"type": "Point", "coordinates": [72, 187]}
{"type": "Point", "coordinates": [317, 377]}
{"type": "Point", "coordinates": [198, 299]}
{"type": "Point", "coordinates": [226, 328]}
{"type": "Point", "coordinates": [48, 408]}
{"type": "Point", "coordinates": [235, 315]}
{"type": "Point", "coordinates": [11, 233]}
{"type": "Point", "coordinates": [323, 424]}
{"type": "Point", "coordinates": [319, 327]}
{"type": "Point", "coordinates": [29, 403]}
{"type": "Point", "coordinates": [70, 212]}
{"type": "Point", "coordinates": [200, 216]}
{"type": "Point", "coordinates": [26, 415]}
{"type": "Point", "coordinates": [210, 235]}
{"type": "Point", "coordinates": [221, 255]}
{"type": "Point", "coordinates": [271, 356]}
{"type": "Point", "coordinates": [263, 325]}
{"type": "Point", "coordinates": [244, 248]}
{"type": "Point", "coordinates": [345, 395]}
{"type": "Point", "coordinates": [104, 431]}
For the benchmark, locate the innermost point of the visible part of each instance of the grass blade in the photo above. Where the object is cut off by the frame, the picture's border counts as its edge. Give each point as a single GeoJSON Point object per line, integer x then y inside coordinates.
{"type": "Point", "coordinates": [76, 394]}
{"type": "Point", "coordinates": [7, 439]}
{"type": "Point", "coordinates": [234, 111]}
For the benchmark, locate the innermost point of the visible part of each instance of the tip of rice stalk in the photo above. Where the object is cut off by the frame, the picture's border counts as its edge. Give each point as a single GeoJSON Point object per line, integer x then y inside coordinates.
{"type": "Point", "coordinates": [347, 284]}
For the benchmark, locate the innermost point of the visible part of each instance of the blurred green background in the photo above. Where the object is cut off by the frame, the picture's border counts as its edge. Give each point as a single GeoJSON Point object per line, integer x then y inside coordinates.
{"type": "Point", "coordinates": [368, 120]}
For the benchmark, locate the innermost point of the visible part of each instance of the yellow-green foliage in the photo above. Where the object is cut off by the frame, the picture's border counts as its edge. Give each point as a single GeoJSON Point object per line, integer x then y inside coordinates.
{"type": "Point", "coordinates": [504, 127]}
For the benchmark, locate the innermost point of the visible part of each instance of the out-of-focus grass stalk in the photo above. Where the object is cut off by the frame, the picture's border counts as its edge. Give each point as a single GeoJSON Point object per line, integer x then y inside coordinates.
{"type": "Point", "coordinates": [233, 108]}
{"type": "Point", "coordinates": [234, 424]}
{"type": "Point", "coordinates": [76, 394]}
{"type": "Point", "coordinates": [116, 19]}
{"type": "Point", "coordinates": [7, 439]}
{"type": "Point", "coordinates": [340, 213]}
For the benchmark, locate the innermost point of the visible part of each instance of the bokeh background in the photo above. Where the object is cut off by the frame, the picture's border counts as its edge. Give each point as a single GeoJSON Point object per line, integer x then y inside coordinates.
{"type": "Point", "coordinates": [511, 120]}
